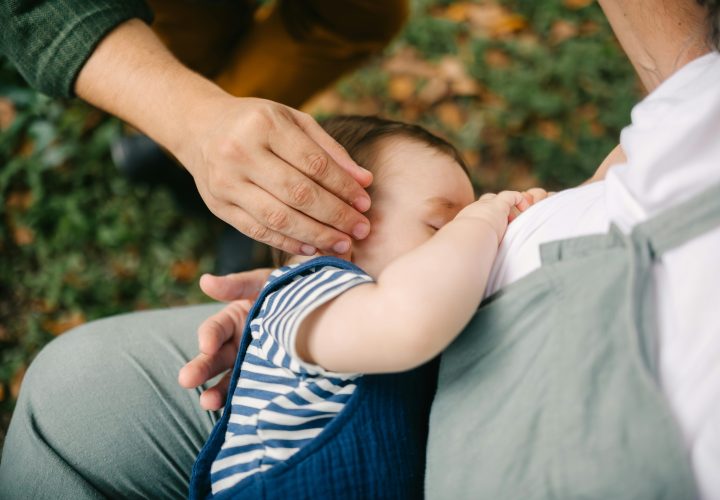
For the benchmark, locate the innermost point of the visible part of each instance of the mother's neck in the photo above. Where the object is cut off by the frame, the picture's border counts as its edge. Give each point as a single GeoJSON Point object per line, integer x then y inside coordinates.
{"type": "Point", "coordinates": [659, 36]}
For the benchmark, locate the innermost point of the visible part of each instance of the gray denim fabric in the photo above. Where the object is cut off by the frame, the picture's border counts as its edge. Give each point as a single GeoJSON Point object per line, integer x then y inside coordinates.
{"type": "Point", "coordinates": [100, 413]}
{"type": "Point", "coordinates": [552, 390]}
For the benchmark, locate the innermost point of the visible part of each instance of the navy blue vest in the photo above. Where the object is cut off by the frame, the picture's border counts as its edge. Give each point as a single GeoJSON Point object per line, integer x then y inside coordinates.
{"type": "Point", "coordinates": [375, 447]}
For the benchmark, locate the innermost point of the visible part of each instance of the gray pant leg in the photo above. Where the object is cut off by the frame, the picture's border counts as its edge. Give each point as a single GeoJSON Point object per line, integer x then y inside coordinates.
{"type": "Point", "coordinates": [100, 413]}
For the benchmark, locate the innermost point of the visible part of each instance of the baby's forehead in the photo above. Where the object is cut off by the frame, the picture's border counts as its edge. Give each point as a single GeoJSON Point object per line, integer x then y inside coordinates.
{"type": "Point", "coordinates": [398, 155]}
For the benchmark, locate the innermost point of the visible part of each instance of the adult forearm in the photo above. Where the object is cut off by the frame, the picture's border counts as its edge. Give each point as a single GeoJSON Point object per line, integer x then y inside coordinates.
{"type": "Point", "coordinates": [132, 75]}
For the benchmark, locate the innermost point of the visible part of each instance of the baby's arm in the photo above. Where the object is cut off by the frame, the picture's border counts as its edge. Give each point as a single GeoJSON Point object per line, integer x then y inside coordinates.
{"type": "Point", "coordinates": [420, 302]}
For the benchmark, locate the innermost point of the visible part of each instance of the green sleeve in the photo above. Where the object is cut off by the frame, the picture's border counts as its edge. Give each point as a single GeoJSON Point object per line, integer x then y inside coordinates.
{"type": "Point", "coordinates": [49, 41]}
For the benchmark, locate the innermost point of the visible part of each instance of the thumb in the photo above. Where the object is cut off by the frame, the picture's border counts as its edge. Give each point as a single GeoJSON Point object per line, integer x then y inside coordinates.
{"type": "Point", "coordinates": [245, 285]}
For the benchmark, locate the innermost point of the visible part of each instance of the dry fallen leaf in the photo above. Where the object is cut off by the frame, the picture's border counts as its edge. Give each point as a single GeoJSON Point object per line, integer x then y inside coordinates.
{"type": "Point", "coordinates": [7, 113]}
{"type": "Point", "coordinates": [454, 71]}
{"type": "Point", "coordinates": [20, 200]}
{"type": "Point", "coordinates": [23, 235]}
{"type": "Point", "coordinates": [16, 381]}
{"type": "Point", "coordinates": [458, 11]}
{"type": "Point", "coordinates": [549, 130]}
{"type": "Point", "coordinates": [450, 115]}
{"type": "Point", "coordinates": [433, 91]}
{"type": "Point", "coordinates": [562, 30]}
{"type": "Point", "coordinates": [576, 4]}
{"type": "Point", "coordinates": [496, 58]}
{"type": "Point", "coordinates": [401, 87]}
{"type": "Point", "coordinates": [407, 61]}
{"type": "Point", "coordinates": [522, 178]}
{"type": "Point", "coordinates": [494, 20]}
{"type": "Point", "coordinates": [184, 270]}
{"type": "Point", "coordinates": [64, 323]}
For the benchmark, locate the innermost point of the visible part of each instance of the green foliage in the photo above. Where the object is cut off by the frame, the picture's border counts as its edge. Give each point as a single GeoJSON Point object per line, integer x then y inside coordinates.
{"type": "Point", "coordinates": [77, 241]}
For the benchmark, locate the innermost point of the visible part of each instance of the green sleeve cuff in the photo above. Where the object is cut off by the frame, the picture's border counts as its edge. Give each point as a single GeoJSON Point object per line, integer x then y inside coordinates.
{"type": "Point", "coordinates": [49, 42]}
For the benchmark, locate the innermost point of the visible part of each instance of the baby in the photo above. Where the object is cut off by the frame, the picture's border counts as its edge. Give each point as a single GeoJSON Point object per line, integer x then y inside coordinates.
{"type": "Point", "coordinates": [322, 325]}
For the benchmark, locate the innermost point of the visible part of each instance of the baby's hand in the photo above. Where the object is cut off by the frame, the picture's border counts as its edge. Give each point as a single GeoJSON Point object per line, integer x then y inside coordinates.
{"type": "Point", "coordinates": [497, 210]}
{"type": "Point", "coordinates": [533, 195]}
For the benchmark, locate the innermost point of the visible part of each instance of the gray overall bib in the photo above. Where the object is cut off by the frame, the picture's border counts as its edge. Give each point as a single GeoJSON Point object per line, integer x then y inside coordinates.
{"type": "Point", "coordinates": [552, 390]}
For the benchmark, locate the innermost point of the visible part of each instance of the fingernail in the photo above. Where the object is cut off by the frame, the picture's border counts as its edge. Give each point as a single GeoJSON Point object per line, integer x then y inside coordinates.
{"type": "Point", "coordinates": [361, 203]}
{"type": "Point", "coordinates": [341, 246]}
{"type": "Point", "coordinates": [361, 230]}
{"type": "Point", "coordinates": [308, 250]}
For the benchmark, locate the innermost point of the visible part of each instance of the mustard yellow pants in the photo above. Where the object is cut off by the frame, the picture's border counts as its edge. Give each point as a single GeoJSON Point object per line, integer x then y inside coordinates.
{"type": "Point", "coordinates": [285, 51]}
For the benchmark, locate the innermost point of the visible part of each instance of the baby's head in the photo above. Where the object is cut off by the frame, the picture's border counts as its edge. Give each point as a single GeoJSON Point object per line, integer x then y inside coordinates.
{"type": "Point", "coordinates": [420, 183]}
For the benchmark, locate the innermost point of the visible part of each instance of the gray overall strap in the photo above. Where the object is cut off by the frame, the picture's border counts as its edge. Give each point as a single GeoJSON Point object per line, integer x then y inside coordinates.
{"type": "Point", "coordinates": [681, 223]}
{"type": "Point", "coordinates": [647, 242]}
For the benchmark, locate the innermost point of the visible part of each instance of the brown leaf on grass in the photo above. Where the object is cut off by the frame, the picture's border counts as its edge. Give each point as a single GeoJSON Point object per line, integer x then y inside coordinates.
{"type": "Point", "coordinates": [4, 334]}
{"type": "Point", "coordinates": [522, 178]}
{"type": "Point", "coordinates": [454, 71]}
{"type": "Point", "coordinates": [496, 58]}
{"type": "Point", "coordinates": [401, 87]}
{"type": "Point", "coordinates": [576, 4]}
{"type": "Point", "coordinates": [458, 11]}
{"type": "Point", "coordinates": [19, 200]}
{"type": "Point", "coordinates": [27, 148]}
{"type": "Point", "coordinates": [2, 392]}
{"type": "Point", "coordinates": [64, 322]}
{"type": "Point", "coordinates": [589, 28]}
{"type": "Point", "coordinates": [433, 91]}
{"type": "Point", "coordinates": [7, 113]}
{"type": "Point", "coordinates": [43, 306]}
{"type": "Point", "coordinates": [450, 115]}
{"type": "Point", "coordinates": [492, 20]}
{"type": "Point", "coordinates": [411, 112]}
{"type": "Point", "coordinates": [597, 129]}
{"type": "Point", "coordinates": [407, 61]}
{"type": "Point", "coordinates": [23, 235]}
{"type": "Point", "coordinates": [16, 381]}
{"type": "Point", "coordinates": [184, 270]}
{"type": "Point", "coordinates": [562, 30]}
{"type": "Point", "coordinates": [549, 130]}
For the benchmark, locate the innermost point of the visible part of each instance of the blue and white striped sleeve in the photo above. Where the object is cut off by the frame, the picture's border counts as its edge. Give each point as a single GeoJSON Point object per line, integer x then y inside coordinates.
{"type": "Point", "coordinates": [285, 309]}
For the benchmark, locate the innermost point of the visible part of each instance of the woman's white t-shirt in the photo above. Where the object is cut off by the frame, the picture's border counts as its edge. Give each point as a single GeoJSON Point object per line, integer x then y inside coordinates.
{"type": "Point", "coordinates": [673, 153]}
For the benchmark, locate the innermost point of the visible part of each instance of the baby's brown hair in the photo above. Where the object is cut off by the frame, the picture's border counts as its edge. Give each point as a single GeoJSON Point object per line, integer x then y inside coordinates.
{"type": "Point", "coordinates": [360, 136]}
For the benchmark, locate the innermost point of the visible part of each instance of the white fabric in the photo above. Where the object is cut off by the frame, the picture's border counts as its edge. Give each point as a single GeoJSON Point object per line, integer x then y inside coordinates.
{"type": "Point", "coordinates": [673, 153]}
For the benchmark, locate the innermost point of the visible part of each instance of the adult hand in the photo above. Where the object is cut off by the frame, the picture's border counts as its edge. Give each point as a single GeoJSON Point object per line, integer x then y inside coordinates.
{"type": "Point", "coordinates": [267, 169]}
{"type": "Point", "coordinates": [274, 174]}
{"type": "Point", "coordinates": [219, 336]}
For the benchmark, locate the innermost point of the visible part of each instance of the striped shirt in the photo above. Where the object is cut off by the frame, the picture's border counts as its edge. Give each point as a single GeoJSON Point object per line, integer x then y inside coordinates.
{"type": "Point", "coordinates": [281, 403]}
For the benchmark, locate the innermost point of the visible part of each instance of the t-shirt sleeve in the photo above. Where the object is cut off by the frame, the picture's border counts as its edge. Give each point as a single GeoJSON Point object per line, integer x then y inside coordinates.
{"type": "Point", "coordinates": [285, 309]}
{"type": "Point", "coordinates": [49, 41]}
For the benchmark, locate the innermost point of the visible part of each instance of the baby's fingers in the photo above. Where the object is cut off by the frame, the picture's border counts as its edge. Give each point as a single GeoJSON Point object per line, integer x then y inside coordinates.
{"type": "Point", "coordinates": [513, 203]}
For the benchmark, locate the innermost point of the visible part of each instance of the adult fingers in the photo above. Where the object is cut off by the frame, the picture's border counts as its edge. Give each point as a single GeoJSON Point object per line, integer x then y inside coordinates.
{"type": "Point", "coordinates": [244, 285]}
{"type": "Point", "coordinates": [260, 231]}
{"type": "Point", "coordinates": [214, 397]}
{"type": "Point", "coordinates": [315, 132]}
{"type": "Point", "coordinates": [222, 327]}
{"type": "Point", "coordinates": [296, 148]}
{"type": "Point", "coordinates": [280, 218]}
{"type": "Point", "coordinates": [203, 367]}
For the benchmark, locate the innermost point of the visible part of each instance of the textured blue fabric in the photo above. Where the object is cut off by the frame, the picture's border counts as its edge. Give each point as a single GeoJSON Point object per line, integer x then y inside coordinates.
{"type": "Point", "coordinates": [375, 448]}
